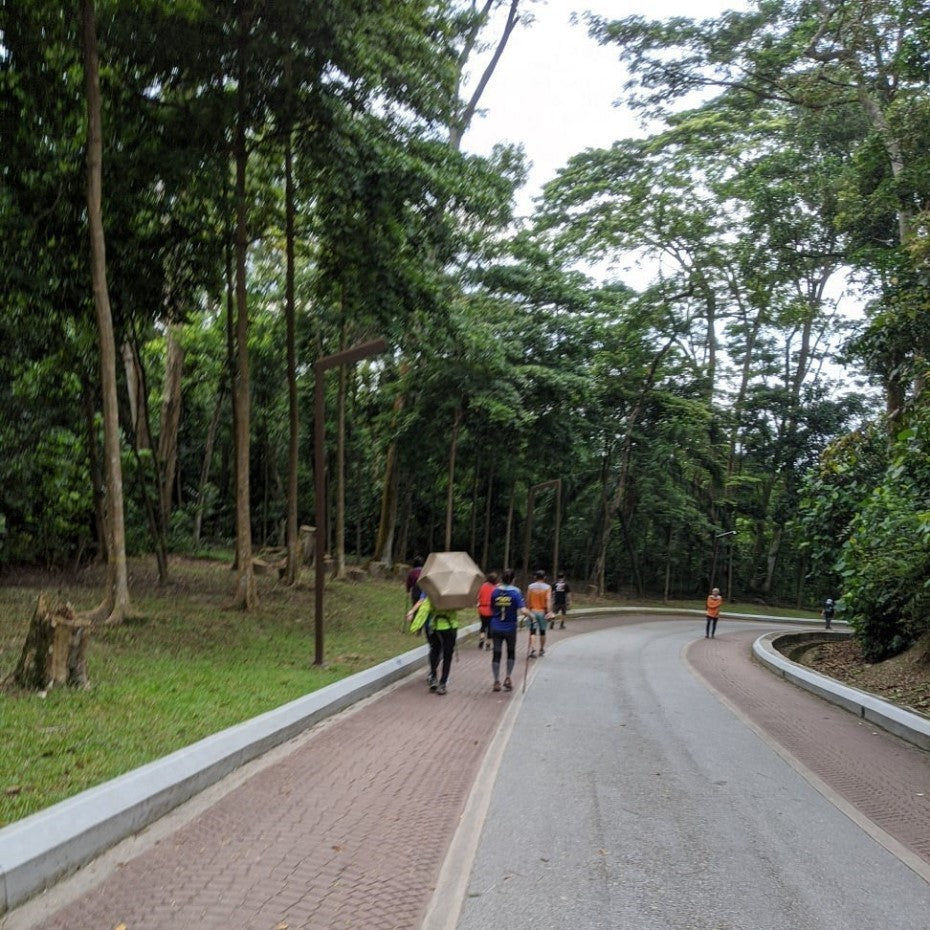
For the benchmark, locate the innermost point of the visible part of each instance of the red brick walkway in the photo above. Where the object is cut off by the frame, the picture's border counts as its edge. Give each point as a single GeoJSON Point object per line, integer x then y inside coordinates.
{"type": "Point", "coordinates": [350, 828]}
{"type": "Point", "coordinates": [347, 831]}
{"type": "Point", "coordinates": [882, 777]}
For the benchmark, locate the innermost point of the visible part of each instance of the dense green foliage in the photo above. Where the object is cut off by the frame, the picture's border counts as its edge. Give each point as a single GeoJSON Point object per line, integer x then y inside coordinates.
{"type": "Point", "coordinates": [700, 422]}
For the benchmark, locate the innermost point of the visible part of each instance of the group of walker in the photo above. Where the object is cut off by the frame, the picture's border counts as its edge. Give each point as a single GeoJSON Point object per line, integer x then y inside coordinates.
{"type": "Point", "coordinates": [501, 608]}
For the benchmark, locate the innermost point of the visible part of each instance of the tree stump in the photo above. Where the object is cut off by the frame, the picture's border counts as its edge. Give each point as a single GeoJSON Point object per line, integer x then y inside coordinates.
{"type": "Point", "coordinates": [55, 649]}
{"type": "Point", "coordinates": [307, 544]}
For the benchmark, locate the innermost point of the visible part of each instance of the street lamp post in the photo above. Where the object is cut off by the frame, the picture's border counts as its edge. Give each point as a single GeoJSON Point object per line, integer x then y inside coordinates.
{"type": "Point", "coordinates": [557, 484]}
{"type": "Point", "coordinates": [713, 568]}
{"type": "Point", "coordinates": [363, 350]}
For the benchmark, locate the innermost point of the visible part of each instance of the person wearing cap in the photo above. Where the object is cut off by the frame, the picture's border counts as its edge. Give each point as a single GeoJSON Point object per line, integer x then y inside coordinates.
{"type": "Point", "coordinates": [828, 612]}
{"type": "Point", "coordinates": [714, 603]}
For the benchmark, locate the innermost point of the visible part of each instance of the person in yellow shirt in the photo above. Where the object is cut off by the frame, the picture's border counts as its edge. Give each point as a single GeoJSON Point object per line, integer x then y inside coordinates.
{"type": "Point", "coordinates": [714, 603]}
{"type": "Point", "coordinates": [539, 602]}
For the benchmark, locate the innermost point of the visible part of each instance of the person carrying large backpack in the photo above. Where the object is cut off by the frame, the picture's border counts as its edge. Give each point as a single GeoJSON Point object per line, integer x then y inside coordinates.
{"type": "Point", "coordinates": [441, 633]}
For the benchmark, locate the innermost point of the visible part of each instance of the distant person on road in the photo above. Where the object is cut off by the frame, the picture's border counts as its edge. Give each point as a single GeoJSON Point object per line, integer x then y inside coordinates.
{"type": "Point", "coordinates": [413, 578]}
{"type": "Point", "coordinates": [506, 605]}
{"type": "Point", "coordinates": [714, 603]}
{"type": "Point", "coordinates": [828, 612]}
{"type": "Point", "coordinates": [561, 599]}
{"type": "Point", "coordinates": [441, 633]}
{"type": "Point", "coordinates": [539, 602]}
{"type": "Point", "coordinates": [485, 610]}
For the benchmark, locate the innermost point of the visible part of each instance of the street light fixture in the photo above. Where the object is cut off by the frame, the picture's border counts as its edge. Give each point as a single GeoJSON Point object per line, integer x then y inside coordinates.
{"type": "Point", "coordinates": [713, 568]}
{"type": "Point", "coordinates": [363, 350]}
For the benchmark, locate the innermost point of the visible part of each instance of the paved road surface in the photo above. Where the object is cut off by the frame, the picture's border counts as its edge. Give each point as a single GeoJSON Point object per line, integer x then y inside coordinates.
{"type": "Point", "coordinates": [629, 796]}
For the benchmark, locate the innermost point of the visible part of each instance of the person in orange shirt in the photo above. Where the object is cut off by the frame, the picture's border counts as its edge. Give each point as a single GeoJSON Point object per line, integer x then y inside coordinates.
{"type": "Point", "coordinates": [714, 603]}
{"type": "Point", "coordinates": [485, 610]}
{"type": "Point", "coordinates": [539, 602]}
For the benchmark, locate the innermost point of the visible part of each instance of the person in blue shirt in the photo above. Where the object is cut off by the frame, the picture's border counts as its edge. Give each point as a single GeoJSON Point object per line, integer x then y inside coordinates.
{"type": "Point", "coordinates": [507, 606]}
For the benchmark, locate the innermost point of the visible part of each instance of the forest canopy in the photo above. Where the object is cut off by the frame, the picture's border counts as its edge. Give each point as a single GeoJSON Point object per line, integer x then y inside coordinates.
{"type": "Point", "coordinates": [201, 199]}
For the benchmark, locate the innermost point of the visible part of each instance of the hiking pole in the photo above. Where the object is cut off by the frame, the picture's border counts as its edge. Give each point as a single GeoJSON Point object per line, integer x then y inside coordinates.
{"type": "Point", "coordinates": [526, 667]}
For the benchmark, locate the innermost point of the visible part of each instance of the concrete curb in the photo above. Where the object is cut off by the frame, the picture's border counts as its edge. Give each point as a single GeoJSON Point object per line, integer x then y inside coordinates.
{"type": "Point", "coordinates": [908, 725]}
{"type": "Point", "coordinates": [40, 849]}
{"type": "Point", "coordinates": [694, 612]}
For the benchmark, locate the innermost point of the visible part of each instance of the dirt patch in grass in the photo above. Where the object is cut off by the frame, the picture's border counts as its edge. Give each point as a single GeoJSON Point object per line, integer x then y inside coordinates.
{"type": "Point", "coordinates": [903, 679]}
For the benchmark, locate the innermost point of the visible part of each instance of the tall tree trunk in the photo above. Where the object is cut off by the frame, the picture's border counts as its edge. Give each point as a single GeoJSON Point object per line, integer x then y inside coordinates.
{"type": "Point", "coordinates": [450, 492]}
{"type": "Point", "coordinates": [207, 458]}
{"type": "Point", "coordinates": [97, 478]}
{"type": "Point", "coordinates": [246, 596]}
{"type": "Point", "coordinates": [231, 366]}
{"type": "Point", "coordinates": [486, 542]}
{"type": "Point", "coordinates": [116, 604]}
{"type": "Point", "coordinates": [668, 565]}
{"type": "Point", "coordinates": [154, 484]}
{"type": "Point", "coordinates": [508, 535]}
{"type": "Point", "coordinates": [340, 543]}
{"type": "Point", "coordinates": [460, 126]}
{"type": "Point", "coordinates": [384, 542]}
{"type": "Point", "coordinates": [473, 529]}
{"type": "Point", "coordinates": [170, 424]}
{"type": "Point", "coordinates": [136, 391]}
{"type": "Point", "coordinates": [292, 569]}
{"type": "Point", "coordinates": [457, 128]}
{"type": "Point", "coordinates": [616, 501]}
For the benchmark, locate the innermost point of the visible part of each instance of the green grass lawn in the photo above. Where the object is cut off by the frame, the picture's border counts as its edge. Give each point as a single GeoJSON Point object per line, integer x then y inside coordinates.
{"type": "Point", "coordinates": [186, 667]}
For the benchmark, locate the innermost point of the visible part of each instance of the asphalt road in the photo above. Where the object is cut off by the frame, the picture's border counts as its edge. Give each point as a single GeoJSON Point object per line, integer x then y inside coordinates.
{"type": "Point", "coordinates": [630, 798]}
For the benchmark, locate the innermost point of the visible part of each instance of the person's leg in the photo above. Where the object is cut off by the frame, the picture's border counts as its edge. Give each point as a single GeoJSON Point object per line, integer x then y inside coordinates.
{"type": "Point", "coordinates": [532, 643]}
{"type": "Point", "coordinates": [713, 627]}
{"type": "Point", "coordinates": [497, 640]}
{"type": "Point", "coordinates": [707, 628]}
{"type": "Point", "coordinates": [511, 657]}
{"type": "Point", "coordinates": [435, 650]}
{"type": "Point", "coordinates": [448, 648]}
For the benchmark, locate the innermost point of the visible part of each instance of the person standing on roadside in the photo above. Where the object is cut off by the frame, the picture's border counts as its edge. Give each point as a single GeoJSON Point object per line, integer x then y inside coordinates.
{"type": "Point", "coordinates": [714, 603]}
{"type": "Point", "coordinates": [506, 606]}
{"type": "Point", "coordinates": [539, 601]}
{"type": "Point", "coordinates": [441, 633]}
{"type": "Point", "coordinates": [485, 610]}
{"type": "Point", "coordinates": [828, 612]}
{"type": "Point", "coordinates": [561, 599]}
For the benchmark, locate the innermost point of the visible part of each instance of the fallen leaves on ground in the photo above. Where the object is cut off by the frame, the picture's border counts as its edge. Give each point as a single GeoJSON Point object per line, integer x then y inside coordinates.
{"type": "Point", "coordinates": [903, 679]}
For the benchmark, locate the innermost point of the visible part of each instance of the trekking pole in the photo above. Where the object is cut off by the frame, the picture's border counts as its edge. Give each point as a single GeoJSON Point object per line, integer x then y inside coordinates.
{"type": "Point", "coordinates": [526, 667]}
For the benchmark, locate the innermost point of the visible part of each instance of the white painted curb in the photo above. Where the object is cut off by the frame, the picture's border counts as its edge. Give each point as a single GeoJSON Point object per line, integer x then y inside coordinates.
{"type": "Point", "coordinates": [908, 725]}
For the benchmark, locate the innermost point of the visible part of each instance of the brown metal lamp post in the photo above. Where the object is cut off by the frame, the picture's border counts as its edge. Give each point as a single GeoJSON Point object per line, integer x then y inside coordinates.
{"type": "Point", "coordinates": [557, 484]}
{"type": "Point", "coordinates": [363, 350]}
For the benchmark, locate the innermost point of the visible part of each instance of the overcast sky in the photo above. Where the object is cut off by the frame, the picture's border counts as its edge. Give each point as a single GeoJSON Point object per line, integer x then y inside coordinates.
{"type": "Point", "coordinates": [554, 89]}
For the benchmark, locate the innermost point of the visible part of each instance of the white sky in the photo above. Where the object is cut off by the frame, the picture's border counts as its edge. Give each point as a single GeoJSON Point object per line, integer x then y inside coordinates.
{"type": "Point", "coordinates": [554, 88]}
